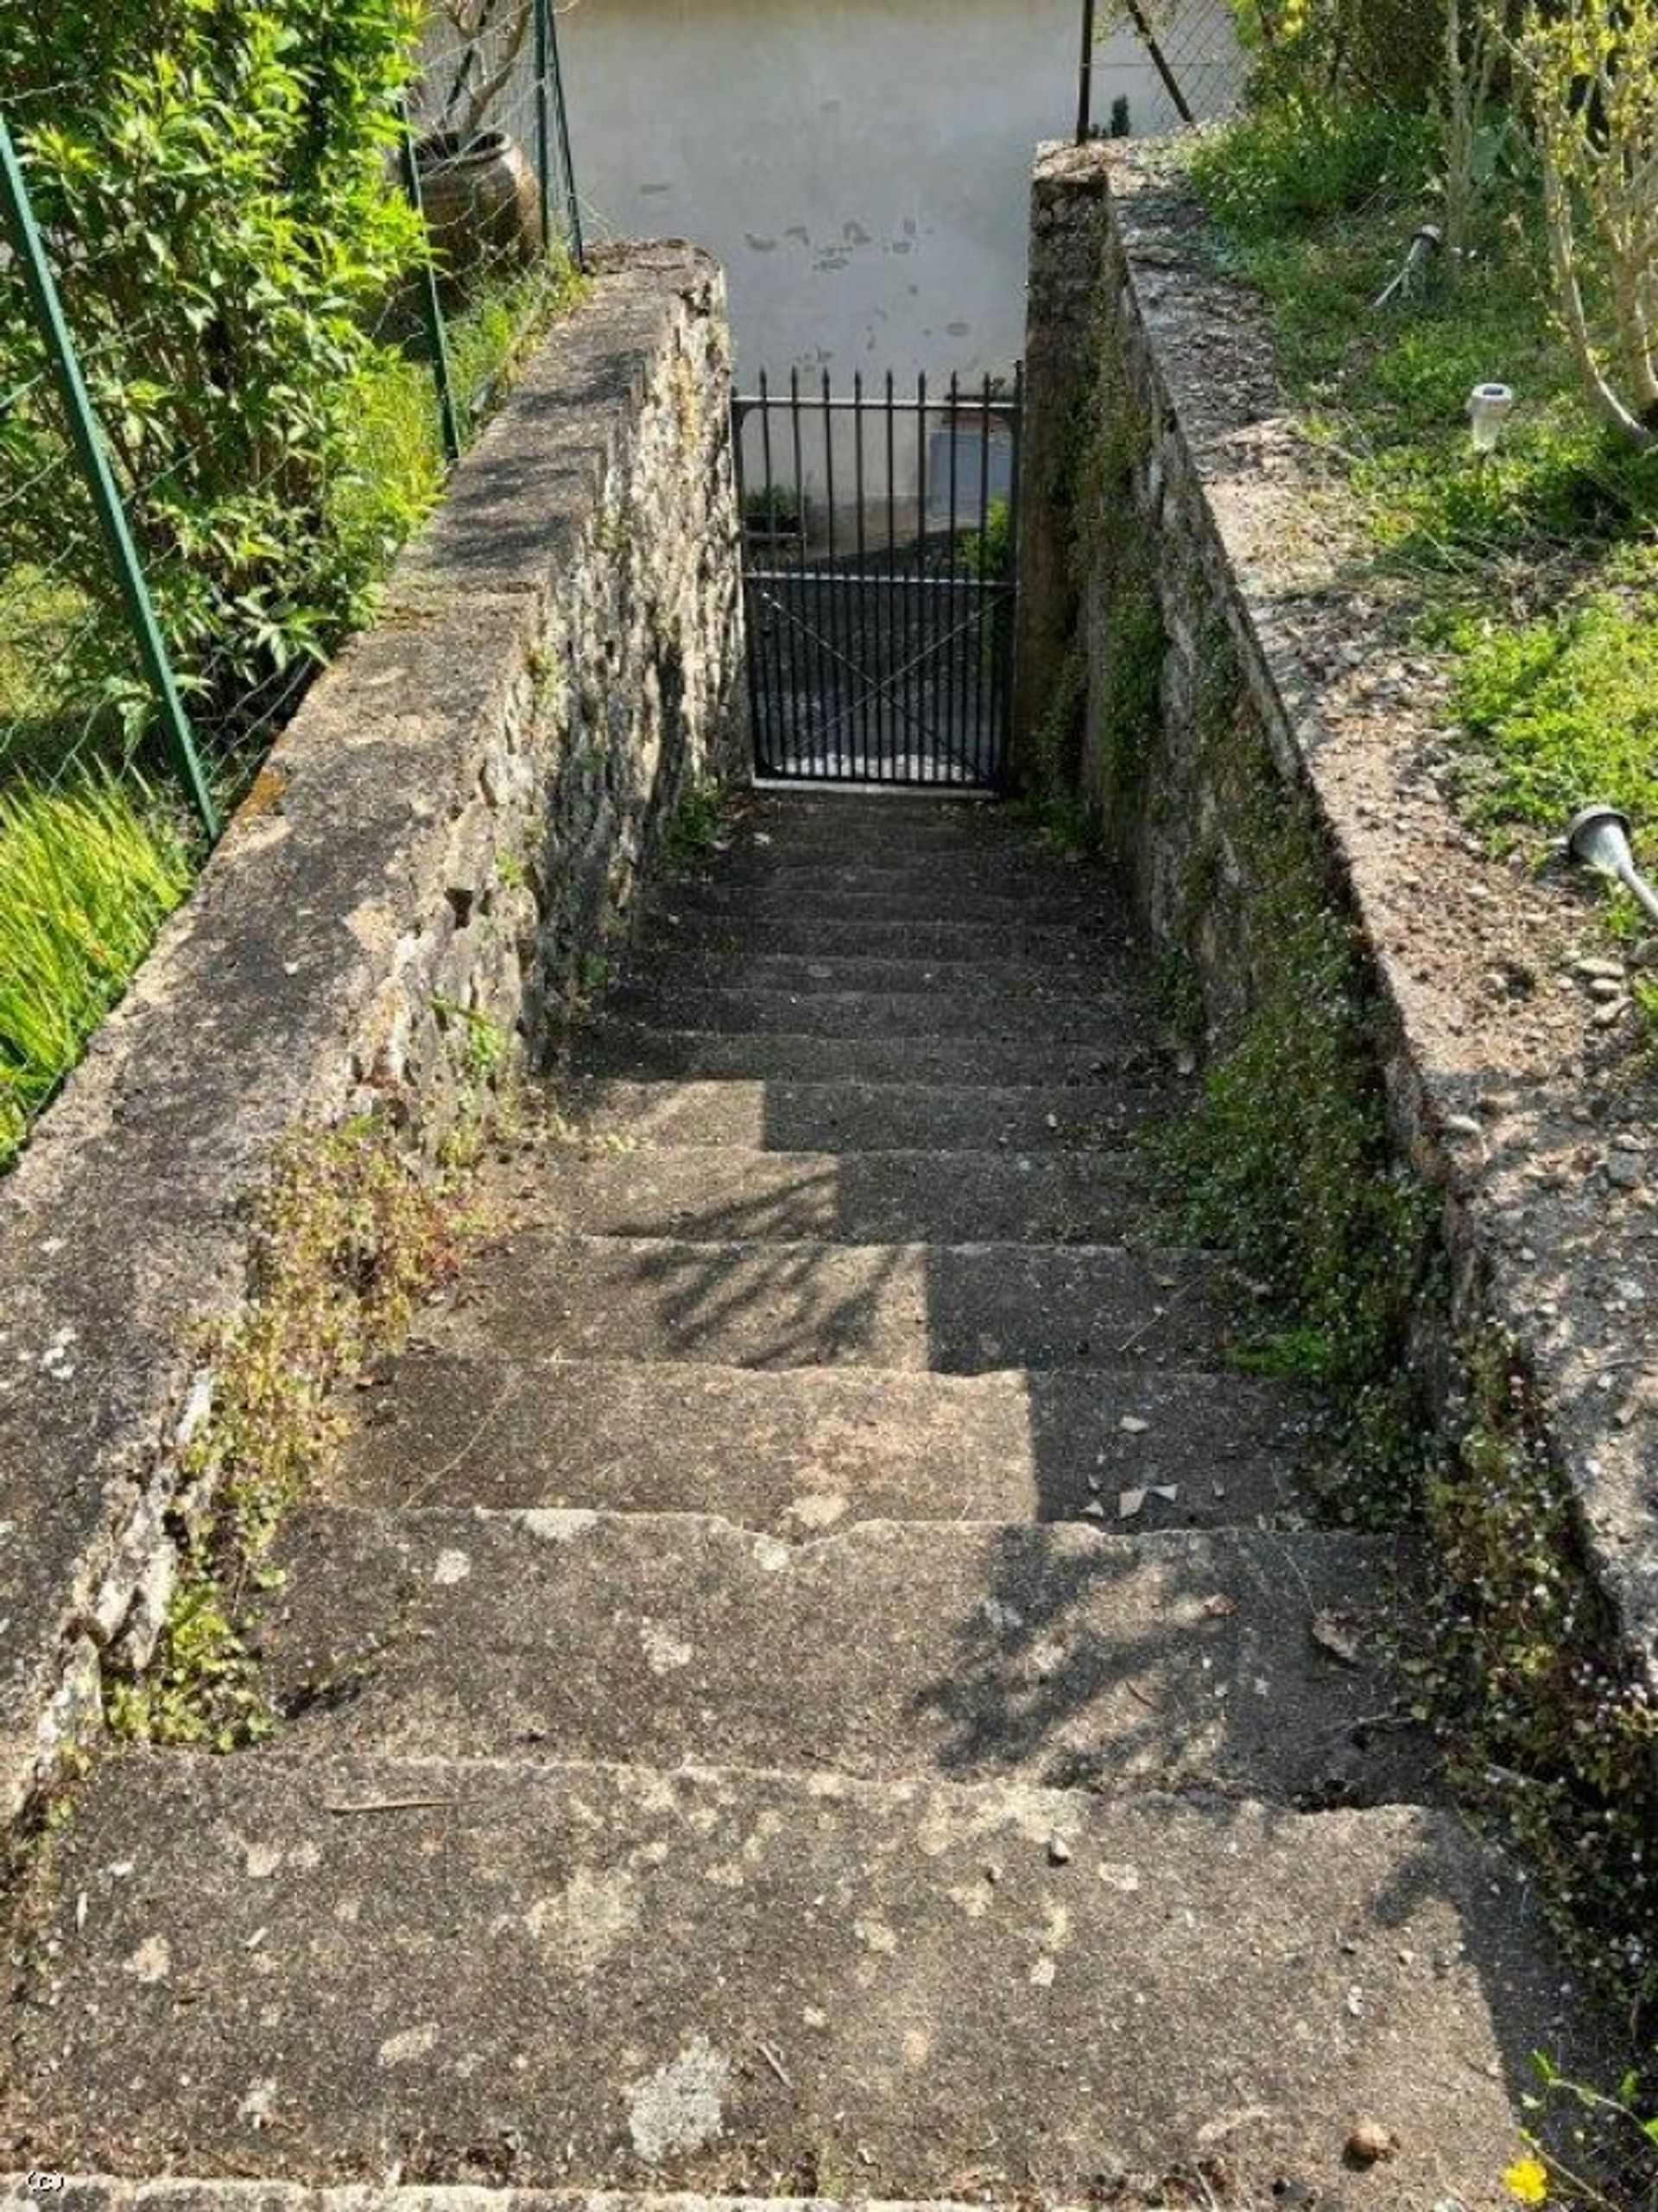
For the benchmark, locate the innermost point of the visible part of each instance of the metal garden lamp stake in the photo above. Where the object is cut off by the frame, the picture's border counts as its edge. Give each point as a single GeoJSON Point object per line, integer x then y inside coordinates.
{"type": "Point", "coordinates": [1489, 407]}
{"type": "Point", "coordinates": [1427, 242]}
{"type": "Point", "coordinates": [1598, 837]}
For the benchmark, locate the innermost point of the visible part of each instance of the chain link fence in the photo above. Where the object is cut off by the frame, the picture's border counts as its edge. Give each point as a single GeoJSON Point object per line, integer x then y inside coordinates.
{"type": "Point", "coordinates": [1188, 52]}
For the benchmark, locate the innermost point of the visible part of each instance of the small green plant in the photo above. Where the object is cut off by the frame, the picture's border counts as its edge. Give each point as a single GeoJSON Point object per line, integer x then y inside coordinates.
{"type": "Point", "coordinates": [350, 1231]}
{"type": "Point", "coordinates": [1619, 2138]}
{"type": "Point", "coordinates": [483, 1046]}
{"type": "Point", "coordinates": [697, 823]}
{"type": "Point", "coordinates": [988, 554]}
{"type": "Point", "coordinates": [87, 874]}
{"type": "Point", "coordinates": [774, 510]}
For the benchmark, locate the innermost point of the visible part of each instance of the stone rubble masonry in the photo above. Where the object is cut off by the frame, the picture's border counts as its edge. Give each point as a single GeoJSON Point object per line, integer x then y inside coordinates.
{"type": "Point", "coordinates": [450, 829]}
{"type": "Point", "coordinates": [1510, 1099]}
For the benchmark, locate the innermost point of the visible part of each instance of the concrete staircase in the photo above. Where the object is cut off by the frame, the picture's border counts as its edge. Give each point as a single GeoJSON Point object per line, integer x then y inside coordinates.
{"type": "Point", "coordinates": [815, 1681]}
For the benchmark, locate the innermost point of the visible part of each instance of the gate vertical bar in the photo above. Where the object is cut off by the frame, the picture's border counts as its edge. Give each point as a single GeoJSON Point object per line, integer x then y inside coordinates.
{"type": "Point", "coordinates": [916, 681]}
{"type": "Point", "coordinates": [804, 595]}
{"type": "Point", "coordinates": [1010, 598]}
{"type": "Point", "coordinates": [887, 719]}
{"type": "Point", "coordinates": [431, 305]}
{"type": "Point", "coordinates": [750, 627]}
{"type": "Point", "coordinates": [833, 593]}
{"type": "Point", "coordinates": [780, 659]}
{"type": "Point", "coordinates": [984, 605]}
{"type": "Point", "coordinates": [87, 440]}
{"type": "Point", "coordinates": [950, 599]}
{"type": "Point", "coordinates": [860, 589]}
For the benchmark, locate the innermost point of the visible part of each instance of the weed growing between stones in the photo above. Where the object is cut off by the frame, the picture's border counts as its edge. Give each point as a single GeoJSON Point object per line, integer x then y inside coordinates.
{"type": "Point", "coordinates": [1545, 1729]}
{"type": "Point", "coordinates": [697, 824]}
{"type": "Point", "coordinates": [1288, 1161]}
{"type": "Point", "coordinates": [349, 1233]}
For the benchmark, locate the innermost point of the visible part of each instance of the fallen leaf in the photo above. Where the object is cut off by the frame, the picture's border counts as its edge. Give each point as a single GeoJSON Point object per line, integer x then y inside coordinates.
{"type": "Point", "coordinates": [1335, 1633]}
{"type": "Point", "coordinates": [1220, 1607]}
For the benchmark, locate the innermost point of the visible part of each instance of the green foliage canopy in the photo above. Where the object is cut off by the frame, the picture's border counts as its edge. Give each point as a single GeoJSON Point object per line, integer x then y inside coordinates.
{"type": "Point", "coordinates": [216, 184]}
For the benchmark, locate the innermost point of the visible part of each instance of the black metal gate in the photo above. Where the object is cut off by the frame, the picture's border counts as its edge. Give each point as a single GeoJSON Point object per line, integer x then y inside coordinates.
{"type": "Point", "coordinates": [878, 566]}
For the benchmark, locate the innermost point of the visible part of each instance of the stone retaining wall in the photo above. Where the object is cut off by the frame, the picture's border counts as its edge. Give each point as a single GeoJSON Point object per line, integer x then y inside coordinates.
{"type": "Point", "coordinates": [1278, 656]}
{"type": "Point", "coordinates": [454, 823]}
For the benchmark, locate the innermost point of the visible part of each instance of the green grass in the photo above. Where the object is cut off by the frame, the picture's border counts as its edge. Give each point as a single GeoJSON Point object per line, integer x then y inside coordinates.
{"type": "Point", "coordinates": [87, 874]}
{"type": "Point", "coordinates": [1532, 573]}
{"type": "Point", "coordinates": [394, 474]}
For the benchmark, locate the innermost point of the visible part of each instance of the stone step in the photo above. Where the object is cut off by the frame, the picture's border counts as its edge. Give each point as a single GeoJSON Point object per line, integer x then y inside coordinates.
{"type": "Point", "coordinates": [807, 821]}
{"type": "Point", "coordinates": [850, 1118]}
{"type": "Point", "coordinates": [1054, 946]}
{"type": "Point", "coordinates": [616, 1047]}
{"type": "Point", "coordinates": [946, 1309]}
{"type": "Point", "coordinates": [319, 1968]}
{"type": "Point", "coordinates": [796, 1452]}
{"type": "Point", "coordinates": [1061, 1654]}
{"type": "Point", "coordinates": [714, 1192]}
{"type": "Point", "coordinates": [1011, 872]}
{"type": "Point", "coordinates": [1080, 906]}
{"type": "Point", "coordinates": [1050, 1018]}
{"type": "Point", "coordinates": [1103, 982]}
{"type": "Point", "coordinates": [109, 2193]}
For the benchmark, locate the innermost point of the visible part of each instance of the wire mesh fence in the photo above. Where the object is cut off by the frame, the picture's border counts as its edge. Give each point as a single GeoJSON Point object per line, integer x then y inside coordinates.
{"type": "Point", "coordinates": [1189, 51]}
{"type": "Point", "coordinates": [262, 274]}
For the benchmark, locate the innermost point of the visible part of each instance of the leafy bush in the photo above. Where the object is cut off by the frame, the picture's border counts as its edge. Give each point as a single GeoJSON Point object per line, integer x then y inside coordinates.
{"type": "Point", "coordinates": [215, 184]}
{"type": "Point", "coordinates": [1591, 68]}
{"type": "Point", "coordinates": [86, 874]}
{"type": "Point", "coordinates": [1387, 51]}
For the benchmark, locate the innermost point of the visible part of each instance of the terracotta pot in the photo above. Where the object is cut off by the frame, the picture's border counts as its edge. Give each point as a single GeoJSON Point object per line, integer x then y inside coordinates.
{"type": "Point", "coordinates": [482, 202]}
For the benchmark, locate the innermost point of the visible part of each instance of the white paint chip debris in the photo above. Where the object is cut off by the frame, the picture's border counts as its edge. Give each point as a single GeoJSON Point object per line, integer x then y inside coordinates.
{"type": "Point", "coordinates": [153, 1959]}
{"type": "Point", "coordinates": [1042, 1974]}
{"type": "Point", "coordinates": [588, 1918]}
{"type": "Point", "coordinates": [413, 2043]}
{"type": "Point", "coordinates": [680, 2107]}
{"type": "Point", "coordinates": [451, 1567]}
{"type": "Point", "coordinates": [664, 1651]}
{"type": "Point", "coordinates": [556, 1524]}
{"type": "Point", "coordinates": [821, 1510]}
{"type": "Point", "coordinates": [771, 1554]}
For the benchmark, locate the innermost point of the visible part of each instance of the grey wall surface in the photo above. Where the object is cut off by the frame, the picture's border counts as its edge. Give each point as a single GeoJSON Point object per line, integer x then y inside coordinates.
{"type": "Point", "coordinates": [456, 819]}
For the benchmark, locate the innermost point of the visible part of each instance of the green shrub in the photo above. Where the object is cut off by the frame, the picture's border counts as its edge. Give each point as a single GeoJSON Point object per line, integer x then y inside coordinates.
{"type": "Point", "coordinates": [214, 182]}
{"type": "Point", "coordinates": [88, 872]}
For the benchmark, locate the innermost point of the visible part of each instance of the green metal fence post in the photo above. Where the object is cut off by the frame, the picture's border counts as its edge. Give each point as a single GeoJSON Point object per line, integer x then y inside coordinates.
{"type": "Point", "coordinates": [431, 305]}
{"type": "Point", "coordinates": [578, 244]}
{"type": "Point", "coordinates": [544, 117]}
{"type": "Point", "coordinates": [24, 235]}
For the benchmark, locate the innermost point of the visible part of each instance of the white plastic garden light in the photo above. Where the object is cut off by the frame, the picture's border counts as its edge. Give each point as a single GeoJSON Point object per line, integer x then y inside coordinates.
{"type": "Point", "coordinates": [1600, 838]}
{"type": "Point", "coordinates": [1489, 409]}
